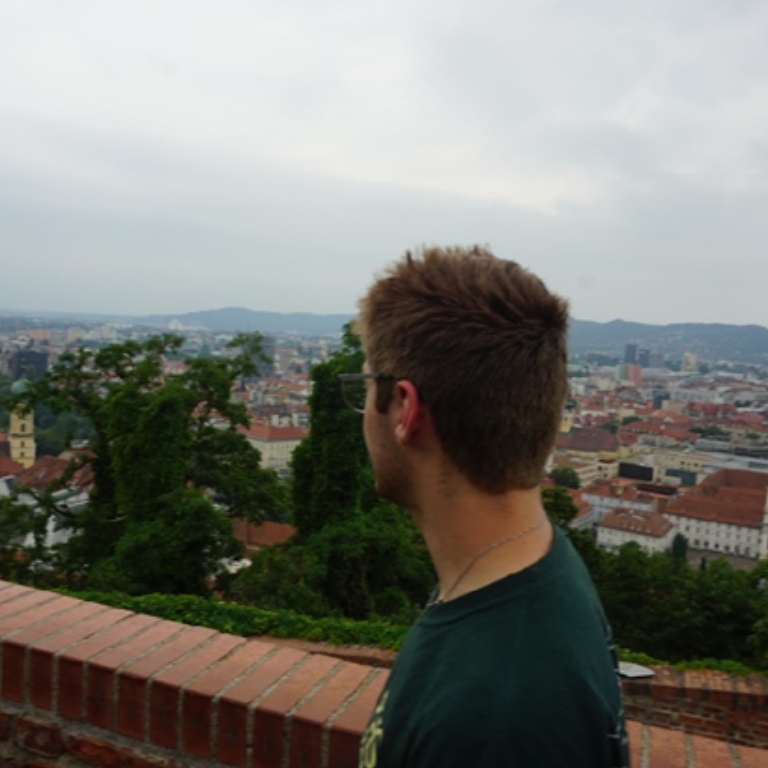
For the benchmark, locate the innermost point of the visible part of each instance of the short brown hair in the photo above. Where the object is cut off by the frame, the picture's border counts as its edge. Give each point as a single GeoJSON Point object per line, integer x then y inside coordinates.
{"type": "Point", "coordinates": [484, 342]}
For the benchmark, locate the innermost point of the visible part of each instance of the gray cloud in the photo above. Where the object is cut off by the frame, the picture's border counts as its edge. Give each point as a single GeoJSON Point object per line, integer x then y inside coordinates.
{"type": "Point", "coordinates": [170, 157]}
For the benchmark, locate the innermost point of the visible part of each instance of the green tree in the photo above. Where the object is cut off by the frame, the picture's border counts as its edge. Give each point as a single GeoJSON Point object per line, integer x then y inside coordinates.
{"type": "Point", "coordinates": [559, 505]}
{"type": "Point", "coordinates": [679, 549]}
{"type": "Point", "coordinates": [566, 477]}
{"type": "Point", "coordinates": [328, 464]}
{"type": "Point", "coordinates": [167, 461]}
{"type": "Point", "coordinates": [5, 391]}
{"type": "Point", "coordinates": [710, 431]}
{"type": "Point", "coordinates": [354, 554]}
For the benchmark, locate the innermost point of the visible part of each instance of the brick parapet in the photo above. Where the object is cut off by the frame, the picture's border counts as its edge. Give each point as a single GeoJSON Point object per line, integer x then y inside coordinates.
{"type": "Point", "coordinates": [81, 684]}
{"type": "Point", "coordinates": [704, 702]}
{"type": "Point", "coordinates": [84, 685]}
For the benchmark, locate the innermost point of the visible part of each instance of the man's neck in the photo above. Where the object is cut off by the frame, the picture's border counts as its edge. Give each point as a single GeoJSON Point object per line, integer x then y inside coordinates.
{"type": "Point", "coordinates": [476, 538]}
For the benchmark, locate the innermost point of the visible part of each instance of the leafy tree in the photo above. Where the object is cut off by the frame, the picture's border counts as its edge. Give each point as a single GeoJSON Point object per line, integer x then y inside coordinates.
{"type": "Point", "coordinates": [328, 464]}
{"type": "Point", "coordinates": [54, 433]}
{"type": "Point", "coordinates": [5, 391]}
{"type": "Point", "coordinates": [630, 420]}
{"type": "Point", "coordinates": [354, 554]}
{"type": "Point", "coordinates": [161, 446]}
{"type": "Point", "coordinates": [665, 608]}
{"type": "Point", "coordinates": [679, 549]}
{"type": "Point", "coordinates": [565, 477]}
{"type": "Point", "coordinates": [559, 505]}
{"type": "Point", "coordinates": [710, 431]}
{"type": "Point", "coordinates": [16, 522]}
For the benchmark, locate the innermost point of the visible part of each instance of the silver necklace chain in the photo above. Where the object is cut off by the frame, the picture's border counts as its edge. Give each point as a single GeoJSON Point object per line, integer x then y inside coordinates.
{"type": "Point", "coordinates": [482, 553]}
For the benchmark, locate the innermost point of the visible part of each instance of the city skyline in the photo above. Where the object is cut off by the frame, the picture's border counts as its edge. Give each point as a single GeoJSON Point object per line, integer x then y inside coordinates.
{"type": "Point", "coordinates": [163, 159]}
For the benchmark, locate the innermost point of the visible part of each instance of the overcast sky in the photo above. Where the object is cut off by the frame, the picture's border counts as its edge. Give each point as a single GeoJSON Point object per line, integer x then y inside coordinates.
{"type": "Point", "coordinates": [176, 155]}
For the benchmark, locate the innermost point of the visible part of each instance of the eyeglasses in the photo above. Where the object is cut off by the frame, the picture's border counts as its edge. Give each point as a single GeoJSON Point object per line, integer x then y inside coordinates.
{"type": "Point", "coordinates": [353, 388]}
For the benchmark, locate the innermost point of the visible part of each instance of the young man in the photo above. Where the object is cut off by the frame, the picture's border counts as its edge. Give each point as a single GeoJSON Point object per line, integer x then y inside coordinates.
{"type": "Point", "coordinates": [511, 663]}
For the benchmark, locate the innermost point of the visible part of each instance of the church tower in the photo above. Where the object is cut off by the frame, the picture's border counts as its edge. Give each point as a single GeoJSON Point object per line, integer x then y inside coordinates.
{"type": "Point", "coordinates": [21, 431]}
{"type": "Point", "coordinates": [763, 546]}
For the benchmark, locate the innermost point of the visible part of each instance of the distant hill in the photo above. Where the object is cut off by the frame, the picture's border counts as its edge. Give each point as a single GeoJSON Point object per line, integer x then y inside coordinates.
{"type": "Point", "coordinates": [241, 319]}
{"type": "Point", "coordinates": [718, 341]}
{"type": "Point", "coordinates": [708, 340]}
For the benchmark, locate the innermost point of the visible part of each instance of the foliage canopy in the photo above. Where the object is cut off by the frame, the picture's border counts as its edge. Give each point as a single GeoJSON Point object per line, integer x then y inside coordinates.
{"type": "Point", "coordinates": [354, 555]}
{"type": "Point", "coordinates": [167, 463]}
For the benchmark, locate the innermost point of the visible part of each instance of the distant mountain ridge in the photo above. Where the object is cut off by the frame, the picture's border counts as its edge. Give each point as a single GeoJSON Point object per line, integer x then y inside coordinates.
{"type": "Point", "coordinates": [708, 340]}
{"type": "Point", "coordinates": [241, 319]}
{"type": "Point", "coordinates": [748, 343]}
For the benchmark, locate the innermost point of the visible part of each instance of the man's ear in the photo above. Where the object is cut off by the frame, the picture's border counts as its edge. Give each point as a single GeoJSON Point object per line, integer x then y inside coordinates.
{"type": "Point", "coordinates": [410, 411]}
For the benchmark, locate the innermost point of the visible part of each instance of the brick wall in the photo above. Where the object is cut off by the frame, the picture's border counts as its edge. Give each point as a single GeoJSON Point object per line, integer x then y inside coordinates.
{"type": "Point", "coordinates": [702, 702]}
{"type": "Point", "coordinates": [85, 685]}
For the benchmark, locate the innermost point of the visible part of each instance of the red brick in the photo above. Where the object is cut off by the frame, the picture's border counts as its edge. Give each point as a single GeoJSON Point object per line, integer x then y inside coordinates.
{"type": "Point", "coordinates": [42, 654]}
{"type": "Point", "coordinates": [269, 745]}
{"type": "Point", "coordinates": [748, 694]}
{"type": "Point", "coordinates": [348, 727]}
{"type": "Point", "coordinates": [635, 736]}
{"type": "Point", "coordinates": [101, 690]}
{"type": "Point", "coordinates": [6, 721]}
{"type": "Point", "coordinates": [59, 614]}
{"type": "Point", "coordinates": [666, 748]}
{"type": "Point", "coordinates": [233, 705]}
{"type": "Point", "coordinates": [126, 653]}
{"type": "Point", "coordinates": [72, 661]}
{"type": "Point", "coordinates": [38, 737]}
{"type": "Point", "coordinates": [753, 758]}
{"type": "Point", "coordinates": [19, 598]}
{"type": "Point", "coordinates": [28, 609]}
{"type": "Point", "coordinates": [667, 683]}
{"type": "Point", "coordinates": [197, 702]}
{"type": "Point", "coordinates": [710, 753]}
{"type": "Point", "coordinates": [721, 689]}
{"type": "Point", "coordinates": [133, 679]}
{"type": "Point", "coordinates": [694, 683]}
{"type": "Point", "coordinates": [99, 753]}
{"type": "Point", "coordinates": [9, 589]}
{"type": "Point", "coordinates": [309, 719]}
{"type": "Point", "coordinates": [164, 694]}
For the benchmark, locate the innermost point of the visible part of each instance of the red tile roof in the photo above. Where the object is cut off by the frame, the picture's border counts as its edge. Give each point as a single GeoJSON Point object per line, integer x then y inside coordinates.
{"type": "Point", "coordinates": [262, 535]}
{"type": "Point", "coordinates": [589, 439]}
{"type": "Point", "coordinates": [730, 496]}
{"type": "Point", "coordinates": [47, 469]}
{"type": "Point", "coordinates": [268, 433]}
{"type": "Point", "coordinates": [717, 510]}
{"type": "Point", "coordinates": [43, 472]}
{"type": "Point", "coordinates": [633, 521]}
{"type": "Point", "coordinates": [737, 478]}
{"type": "Point", "coordinates": [10, 467]}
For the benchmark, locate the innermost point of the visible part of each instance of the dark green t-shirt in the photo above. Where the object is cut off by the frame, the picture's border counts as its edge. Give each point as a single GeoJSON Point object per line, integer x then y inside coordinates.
{"type": "Point", "coordinates": [520, 673]}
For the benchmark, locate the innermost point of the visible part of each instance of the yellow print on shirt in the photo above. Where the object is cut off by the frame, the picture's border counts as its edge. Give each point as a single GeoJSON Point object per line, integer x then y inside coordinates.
{"type": "Point", "coordinates": [369, 744]}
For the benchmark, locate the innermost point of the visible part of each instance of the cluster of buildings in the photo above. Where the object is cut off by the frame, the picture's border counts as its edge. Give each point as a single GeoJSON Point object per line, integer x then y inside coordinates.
{"type": "Point", "coordinates": [276, 402]}
{"type": "Point", "coordinates": [665, 453]}
{"type": "Point", "coordinates": [658, 451]}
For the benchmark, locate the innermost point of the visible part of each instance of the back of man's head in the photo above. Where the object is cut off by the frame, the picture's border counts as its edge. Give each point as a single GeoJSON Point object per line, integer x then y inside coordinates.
{"type": "Point", "coordinates": [484, 342]}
